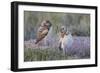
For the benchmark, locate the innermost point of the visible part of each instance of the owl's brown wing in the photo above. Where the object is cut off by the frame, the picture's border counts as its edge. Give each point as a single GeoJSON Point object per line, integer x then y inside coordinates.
{"type": "Point", "coordinates": [41, 35]}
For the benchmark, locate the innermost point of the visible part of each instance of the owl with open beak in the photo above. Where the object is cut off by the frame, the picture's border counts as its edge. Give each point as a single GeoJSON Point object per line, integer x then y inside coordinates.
{"type": "Point", "coordinates": [43, 30]}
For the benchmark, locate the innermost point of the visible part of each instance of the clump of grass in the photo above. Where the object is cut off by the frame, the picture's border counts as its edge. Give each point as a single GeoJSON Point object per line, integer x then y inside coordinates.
{"type": "Point", "coordinates": [43, 54]}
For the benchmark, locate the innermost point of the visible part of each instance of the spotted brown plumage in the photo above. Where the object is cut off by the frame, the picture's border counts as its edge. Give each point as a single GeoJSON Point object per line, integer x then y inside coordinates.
{"type": "Point", "coordinates": [43, 30]}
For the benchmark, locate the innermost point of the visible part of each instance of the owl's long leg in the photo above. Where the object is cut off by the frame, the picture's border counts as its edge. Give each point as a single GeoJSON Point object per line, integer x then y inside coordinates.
{"type": "Point", "coordinates": [60, 46]}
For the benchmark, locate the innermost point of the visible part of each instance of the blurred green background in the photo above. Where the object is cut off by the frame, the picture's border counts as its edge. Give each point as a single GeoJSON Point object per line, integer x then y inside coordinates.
{"type": "Point", "coordinates": [77, 24]}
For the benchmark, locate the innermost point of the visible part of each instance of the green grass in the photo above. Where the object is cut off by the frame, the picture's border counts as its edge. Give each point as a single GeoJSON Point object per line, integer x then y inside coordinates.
{"type": "Point", "coordinates": [44, 54]}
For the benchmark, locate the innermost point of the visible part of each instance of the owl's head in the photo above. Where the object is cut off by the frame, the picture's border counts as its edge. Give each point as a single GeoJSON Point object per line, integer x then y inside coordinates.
{"type": "Point", "coordinates": [64, 31]}
{"type": "Point", "coordinates": [46, 23]}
